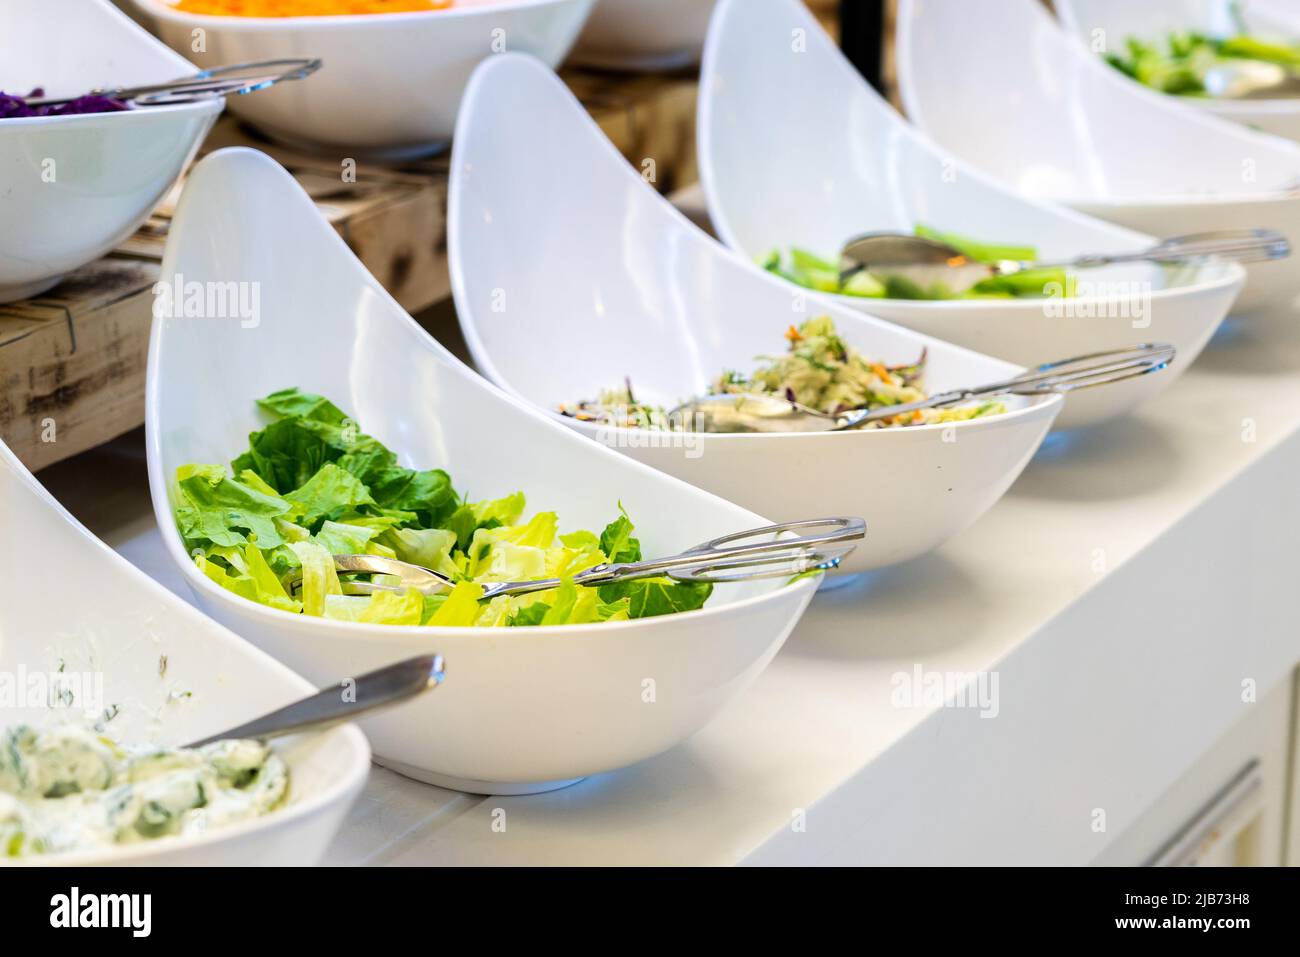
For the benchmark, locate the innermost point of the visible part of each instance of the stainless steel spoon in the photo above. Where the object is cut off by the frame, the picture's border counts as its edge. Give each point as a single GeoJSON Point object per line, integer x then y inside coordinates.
{"type": "Point", "coordinates": [331, 706]}
{"type": "Point", "coordinates": [929, 263]}
{"type": "Point", "coordinates": [749, 412]}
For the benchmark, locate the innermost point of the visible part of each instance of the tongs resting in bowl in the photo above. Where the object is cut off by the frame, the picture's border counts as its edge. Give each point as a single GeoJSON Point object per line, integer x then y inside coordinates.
{"type": "Point", "coordinates": [742, 556]}
{"type": "Point", "coordinates": [772, 412]}
{"type": "Point", "coordinates": [233, 80]}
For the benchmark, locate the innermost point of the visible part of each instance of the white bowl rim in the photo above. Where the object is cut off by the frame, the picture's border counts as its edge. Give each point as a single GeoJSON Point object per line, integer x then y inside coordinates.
{"type": "Point", "coordinates": [1215, 125]}
{"type": "Point", "coordinates": [168, 11]}
{"type": "Point", "coordinates": [483, 356]}
{"type": "Point", "coordinates": [294, 810]}
{"type": "Point", "coordinates": [412, 635]}
{"type": "Point", "coordinates": [1233, 273]}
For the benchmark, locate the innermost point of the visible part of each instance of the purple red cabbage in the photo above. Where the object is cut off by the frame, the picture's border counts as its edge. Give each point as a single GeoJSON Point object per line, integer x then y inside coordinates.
{"type": "Point", "coordinates": [13, 105]}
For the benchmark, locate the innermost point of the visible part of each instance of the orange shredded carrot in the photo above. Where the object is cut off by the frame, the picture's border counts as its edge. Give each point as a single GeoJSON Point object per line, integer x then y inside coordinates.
{"type": "Point", "coordinates": [306, 8]}
{"type": "Point", "coordinates": [882, 372]}
{"type": "Point", "coordinates": [792, 335]}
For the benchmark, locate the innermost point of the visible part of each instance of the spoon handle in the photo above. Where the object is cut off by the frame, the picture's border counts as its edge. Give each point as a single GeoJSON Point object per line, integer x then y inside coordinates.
{"type": "Point", "coordinates": [345, 702]}
{"type": "Point", "coordinates": [1064, 375]}
{"type": "Point", "coordinates": [1235, 245]}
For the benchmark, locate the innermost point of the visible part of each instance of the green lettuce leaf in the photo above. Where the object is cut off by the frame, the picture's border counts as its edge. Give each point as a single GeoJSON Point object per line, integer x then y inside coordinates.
{"type": "Point", "coordinates": [328, 495]}
{"type": "Point", "coordinates": [213, 508]}
{"type": "Point", "coordinates": [616, 540]}
{"type": "Point", "coordinates": [657, 596]}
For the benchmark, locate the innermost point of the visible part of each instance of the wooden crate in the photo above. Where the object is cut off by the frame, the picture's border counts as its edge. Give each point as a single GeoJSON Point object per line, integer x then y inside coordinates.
{"type": "Point", "coordinates": [72, 362]}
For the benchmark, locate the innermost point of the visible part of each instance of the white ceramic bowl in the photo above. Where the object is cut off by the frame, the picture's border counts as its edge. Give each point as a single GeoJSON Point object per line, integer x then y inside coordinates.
{"type": "Point", "coordinates": [523, 708]}
{"type": "Point", "coordinates": [73, 187]}
{"type": "Point", "coordinates": [1105, 24]}
{"type": "Point", "coordinates": [1031, 105]}
{"type": "Point", "coordinates": [70, 604]}
{"type": "Point", "coordinates": [390, 84]}
{"type": "Point", "coordinates": [626, 286]}
{"type": "Point", "coordinates": [837, 160]}
{"type": "Point", "coordinates": [1282, 15]}
{"type": "Point", "coordinates": [644, 34]}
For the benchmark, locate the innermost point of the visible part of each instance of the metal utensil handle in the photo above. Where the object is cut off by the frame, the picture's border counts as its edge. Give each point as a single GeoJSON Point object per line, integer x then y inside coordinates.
{"type": "Point", "coordinates": [1236, 245]}
{"type": "Point", "coordinates": [841, 531]}
{"type": "Point", "coordinates": [1094, 369]}
{"type": "Point", "coordinates": [797, 552]}
{"type": "Point", "coordinates": [372, 691]}
{"type": "Point", "coordinates": [218, 81]}
{"type": "Point", "coordinates": [843, 534]}
{"type": "Point", "coordinates": [753, 569]}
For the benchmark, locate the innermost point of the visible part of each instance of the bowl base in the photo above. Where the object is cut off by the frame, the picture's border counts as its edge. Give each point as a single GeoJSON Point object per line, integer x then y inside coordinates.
{"type": "Point", "coordinates": [614, 62]}
{"type": "Point", "coordinates": [387, 155]}
{"type": "Point", "coordinates": [469, 786]}
{"type": "Point", "coordinates": [27, 290]}
{"type": "Point", "coordinates": [833, 582]}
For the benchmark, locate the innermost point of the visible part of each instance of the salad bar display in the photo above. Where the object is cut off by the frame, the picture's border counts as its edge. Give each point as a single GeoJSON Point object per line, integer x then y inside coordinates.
{"type": "Point", "coordinates": [493, 514]}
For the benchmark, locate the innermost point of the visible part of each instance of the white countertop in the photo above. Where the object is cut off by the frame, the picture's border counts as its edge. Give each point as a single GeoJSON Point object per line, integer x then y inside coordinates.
{"type": "Point", "coordinates": [1122, 592]}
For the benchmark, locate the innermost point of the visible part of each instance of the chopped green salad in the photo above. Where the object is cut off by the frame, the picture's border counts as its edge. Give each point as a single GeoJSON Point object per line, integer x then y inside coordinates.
{"type": "Point", "coordinates": [1179, 64]}
{"type": "Point", "coordinates": [813, 272]}
{"type": "Point", "coordinates": [311, 486]}
{"type": "Point", "coordinates": [819, 370]}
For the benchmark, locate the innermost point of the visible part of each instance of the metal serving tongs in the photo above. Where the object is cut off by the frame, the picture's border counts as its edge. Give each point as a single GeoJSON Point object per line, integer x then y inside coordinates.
{"type": "Point", "coordinates": [929, 262]}
{"type": "Point", "coordinates": [750, 412]}
{"type": "Point", "coordinates": [742, 556]}
{"type": "Point", "coordinates": [233, 80]}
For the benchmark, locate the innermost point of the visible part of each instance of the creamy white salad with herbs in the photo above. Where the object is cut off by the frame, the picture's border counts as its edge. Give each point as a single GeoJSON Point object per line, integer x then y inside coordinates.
{"type": "Point", "coordinates": [68, 789]}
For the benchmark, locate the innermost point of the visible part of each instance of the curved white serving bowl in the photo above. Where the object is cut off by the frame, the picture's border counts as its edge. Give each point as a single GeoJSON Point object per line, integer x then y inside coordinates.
{"type": "Point", "coordinates": [68, 602]}
{"type": "Point", "coordinates": [524, 708]}
{"type": "Point", "coordinates": [564, 291]}
{"type": "Point", "coordinates": [644, 34]}
{"type": "Point", "coordinates": [837, 160]}
{"type": "Point", "coordinates": [73, 187]}
{"type": "Point", "coordinates": [390, 84]}
{"type": "Point", "coordinates": [1282, 15]}
{"type": "Point", "coordinates": [1105, 24]}
{"type": "Point", "coordinates": [1031, 105]}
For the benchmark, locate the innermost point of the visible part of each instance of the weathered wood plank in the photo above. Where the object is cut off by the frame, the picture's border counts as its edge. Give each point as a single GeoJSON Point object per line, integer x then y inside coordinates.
{"type": "Point", "coordinates": [72, 362]}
